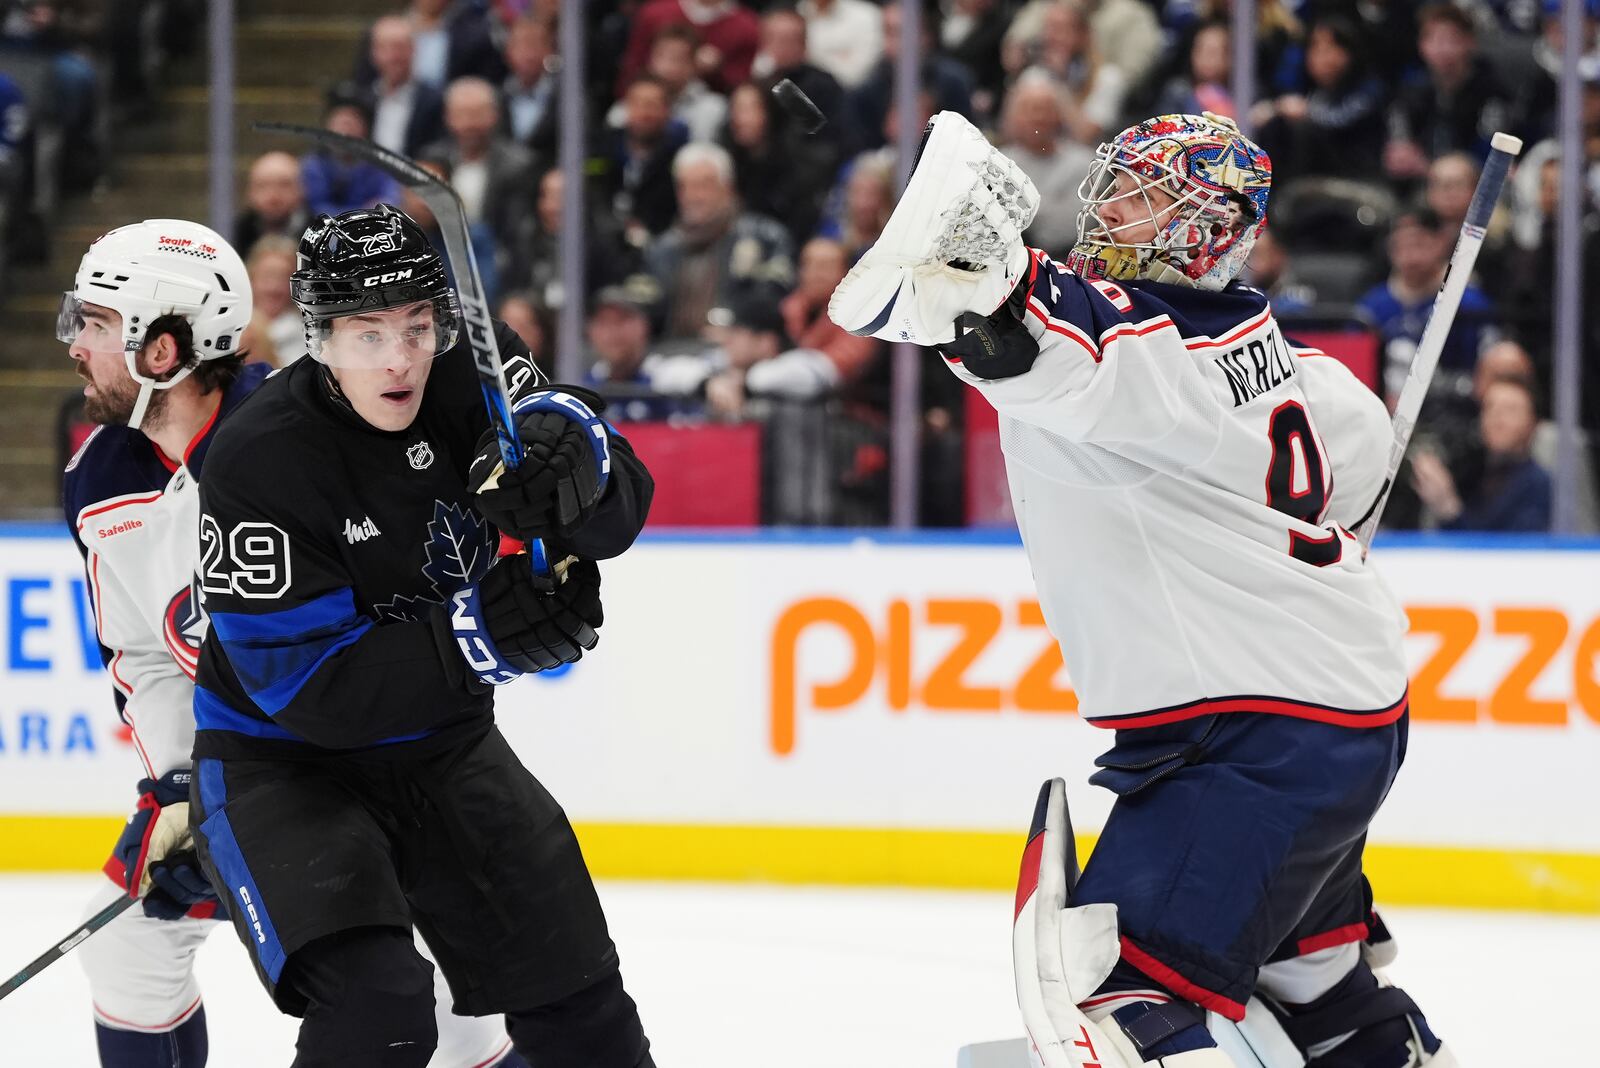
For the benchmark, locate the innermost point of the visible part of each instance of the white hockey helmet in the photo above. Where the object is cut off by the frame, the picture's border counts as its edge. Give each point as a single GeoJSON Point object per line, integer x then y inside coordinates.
{"type": "Point", "coordinates": [162, 267]}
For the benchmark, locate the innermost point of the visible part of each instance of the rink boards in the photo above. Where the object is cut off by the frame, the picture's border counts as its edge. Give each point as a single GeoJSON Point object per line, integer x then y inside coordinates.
{"type": "Point", "coordinates": [836, 707]}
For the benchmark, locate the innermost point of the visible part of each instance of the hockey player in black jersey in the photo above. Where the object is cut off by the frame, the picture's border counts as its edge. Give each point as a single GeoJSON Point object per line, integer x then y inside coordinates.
{"type": "Point", "coordinates": [350, 781]}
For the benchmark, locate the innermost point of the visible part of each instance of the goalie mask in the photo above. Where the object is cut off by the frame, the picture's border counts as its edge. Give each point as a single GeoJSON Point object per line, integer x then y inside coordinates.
{"type": "Point", "coordinates": [368, 261]}
{"type": "Point", "coordinates": [1203, 184]}
{"type": "Point", "coordinates": [147, 270]}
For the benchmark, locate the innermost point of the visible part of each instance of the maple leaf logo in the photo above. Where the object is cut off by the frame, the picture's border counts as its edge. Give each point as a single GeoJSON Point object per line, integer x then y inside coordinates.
{"type": "Point", "coordinates": [459, 550]}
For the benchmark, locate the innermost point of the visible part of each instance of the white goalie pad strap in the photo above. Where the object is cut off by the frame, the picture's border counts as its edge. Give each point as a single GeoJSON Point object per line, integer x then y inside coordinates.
{"type": "Point", "coordinates": [1257, 1041]}
{"type": "Point", "coordinates": [1060, 955]}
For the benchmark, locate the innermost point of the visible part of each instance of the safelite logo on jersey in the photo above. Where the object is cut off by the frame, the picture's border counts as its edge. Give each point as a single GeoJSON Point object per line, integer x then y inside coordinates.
{"type": "Point", "coordinates": [118, 528]}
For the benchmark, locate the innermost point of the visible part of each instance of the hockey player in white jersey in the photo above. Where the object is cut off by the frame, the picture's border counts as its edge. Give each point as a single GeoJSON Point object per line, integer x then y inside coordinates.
{"type": "Point", "coordinates": [153, 324]}
{"type": "Point", "coordinates": [1185, 479]}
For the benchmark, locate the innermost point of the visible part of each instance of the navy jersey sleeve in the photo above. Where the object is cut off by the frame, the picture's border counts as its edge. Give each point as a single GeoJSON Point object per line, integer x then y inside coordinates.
{"type": "Point", "coordinates": [284, 611]}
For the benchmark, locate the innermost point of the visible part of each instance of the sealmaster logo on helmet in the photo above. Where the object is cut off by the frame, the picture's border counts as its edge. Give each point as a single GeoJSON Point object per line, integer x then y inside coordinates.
{"type": "Point", "coordinates": [1217, 181]}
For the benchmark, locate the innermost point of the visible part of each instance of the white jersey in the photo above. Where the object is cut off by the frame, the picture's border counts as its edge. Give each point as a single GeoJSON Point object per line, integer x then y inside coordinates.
{"type": "Point", "coordinates": [1185, 479]}
{"type": "Point", "coordinates": [134, 513]}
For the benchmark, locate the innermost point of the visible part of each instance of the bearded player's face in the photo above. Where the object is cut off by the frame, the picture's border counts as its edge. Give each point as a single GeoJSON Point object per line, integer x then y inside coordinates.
{"type": "Point", "coordinates": [383, 361]}
{"type": "Point", "coordinates": [109, 392]}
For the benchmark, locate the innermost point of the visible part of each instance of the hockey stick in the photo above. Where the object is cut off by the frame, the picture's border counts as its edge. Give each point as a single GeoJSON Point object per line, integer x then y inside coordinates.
{"type": "Point", "coordinates": [1503, 149]}
{"type": "Point", "coordinates": [446, 206]}
{"type": "Point", "coordinates": [70, 943]}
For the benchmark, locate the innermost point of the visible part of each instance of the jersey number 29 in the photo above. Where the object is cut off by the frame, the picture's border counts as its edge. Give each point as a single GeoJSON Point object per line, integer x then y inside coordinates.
{"type": "Point", "coordinates": [1298, 482]}
{"type": "Point", "coordinates": [253, 562]}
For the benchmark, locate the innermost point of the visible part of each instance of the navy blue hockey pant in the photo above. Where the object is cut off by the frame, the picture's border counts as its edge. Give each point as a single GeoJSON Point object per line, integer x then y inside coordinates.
{"type": "Point", "coordinates": [1236, 840]}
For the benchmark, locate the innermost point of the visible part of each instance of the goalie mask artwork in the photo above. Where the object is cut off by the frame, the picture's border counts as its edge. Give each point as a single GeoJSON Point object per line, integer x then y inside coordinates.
{"type": "Point", "coordinates": [364, 263]}
{"type": "Point", "coordinates": [1203, 184]}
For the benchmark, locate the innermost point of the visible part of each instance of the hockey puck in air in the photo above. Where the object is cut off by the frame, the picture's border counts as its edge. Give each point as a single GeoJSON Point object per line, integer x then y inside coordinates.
{"type": "Point", "coordinates": [799, 106]}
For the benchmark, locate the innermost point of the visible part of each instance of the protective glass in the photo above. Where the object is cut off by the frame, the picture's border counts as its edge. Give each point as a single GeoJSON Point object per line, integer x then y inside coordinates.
{"type": "Point", "coordinates": [390, 338]}
{"type": "Point", "coordinates": [77, 325]}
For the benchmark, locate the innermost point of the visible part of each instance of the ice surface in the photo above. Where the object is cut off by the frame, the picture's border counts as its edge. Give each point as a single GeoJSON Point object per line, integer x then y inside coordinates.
{"type": "Point", "coordinates": [783, 977]}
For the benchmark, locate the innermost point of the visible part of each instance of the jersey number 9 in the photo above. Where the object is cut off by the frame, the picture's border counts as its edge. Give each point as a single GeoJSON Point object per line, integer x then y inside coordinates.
{"type": "Point", "coordinates": [1298, 481]}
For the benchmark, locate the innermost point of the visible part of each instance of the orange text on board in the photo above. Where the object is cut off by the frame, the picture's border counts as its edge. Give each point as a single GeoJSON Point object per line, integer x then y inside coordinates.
{"type": "Point", "coordinates": [880, 651]}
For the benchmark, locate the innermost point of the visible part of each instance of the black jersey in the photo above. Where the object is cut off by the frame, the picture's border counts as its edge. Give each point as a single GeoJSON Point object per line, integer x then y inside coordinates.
{"type": "Point", "coordinates": [326, 543]}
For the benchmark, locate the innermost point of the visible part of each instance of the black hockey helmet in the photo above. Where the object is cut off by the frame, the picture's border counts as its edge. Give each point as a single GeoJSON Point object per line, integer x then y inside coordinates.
{"type": "Point", "coordinates": [365, 261]}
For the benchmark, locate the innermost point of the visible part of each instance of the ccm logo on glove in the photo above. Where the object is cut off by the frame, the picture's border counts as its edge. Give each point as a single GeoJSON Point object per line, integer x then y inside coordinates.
{"type": "Point", "coordinates": [475, 647]}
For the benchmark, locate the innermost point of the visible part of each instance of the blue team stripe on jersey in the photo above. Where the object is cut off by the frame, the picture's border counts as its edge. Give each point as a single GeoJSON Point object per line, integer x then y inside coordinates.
{"type": "Point", "coordinates": [275, 653]}
{"type": "Point", "coordinates": [333, 611]}
{"type": "Point", "coordinates": [245, 896]}
{"type": "Point", "coordinates": [277, 675]}
{"type": "Point", "coordinates": [212, 713]}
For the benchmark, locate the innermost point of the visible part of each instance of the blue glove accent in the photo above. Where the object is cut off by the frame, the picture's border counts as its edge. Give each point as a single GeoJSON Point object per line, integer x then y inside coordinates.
{"type": "Point", "coordinates": [573, 408]}
{"type": "Point", "coordinates": [473, 640]}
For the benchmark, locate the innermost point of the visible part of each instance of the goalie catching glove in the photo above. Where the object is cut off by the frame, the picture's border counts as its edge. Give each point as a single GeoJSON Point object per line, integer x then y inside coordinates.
{"type": "Point", "coordinates": [504, 626]}
{"type": "Point", "coordinates": [157, 852]}
{"type": "Point", "coordinates": [565, 467]}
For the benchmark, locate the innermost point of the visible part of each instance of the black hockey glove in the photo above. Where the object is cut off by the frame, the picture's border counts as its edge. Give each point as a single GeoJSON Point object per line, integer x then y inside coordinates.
{"type": "Point", "coordinates": [157, 853]}
{"type": "Point", "coordinates": [565, 466]}
{"type": "Point", "coordinates": [504, 626]}
{"type": "Point", "coordinates": [996, 346]}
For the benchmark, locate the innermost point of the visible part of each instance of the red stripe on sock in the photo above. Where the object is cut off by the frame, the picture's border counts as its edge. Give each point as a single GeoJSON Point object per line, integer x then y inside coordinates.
{"type": "Point", "coordinates": [1339, 936]}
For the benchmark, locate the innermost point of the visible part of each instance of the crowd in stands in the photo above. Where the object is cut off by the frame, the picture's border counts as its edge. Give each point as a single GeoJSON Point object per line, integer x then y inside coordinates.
{"type": "Point", "coordinates": [62, 64]}
{"type": "Point", "coordinates": [717, 227]}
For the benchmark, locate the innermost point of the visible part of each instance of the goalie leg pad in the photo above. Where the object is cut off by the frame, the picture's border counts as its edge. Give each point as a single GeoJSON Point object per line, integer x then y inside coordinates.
{"type": "Point", "coordinates": [1063, 955]}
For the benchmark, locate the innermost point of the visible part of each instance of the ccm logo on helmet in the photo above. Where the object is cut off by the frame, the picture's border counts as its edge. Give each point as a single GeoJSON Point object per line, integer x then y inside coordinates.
{"type": "Point", "coordinates": [386, 279]}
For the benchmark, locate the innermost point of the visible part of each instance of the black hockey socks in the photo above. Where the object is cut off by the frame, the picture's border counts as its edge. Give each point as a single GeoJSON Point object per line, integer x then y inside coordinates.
{"type": "Point", "coordinates": [598, 1027]}
{"type": "Point", "coordinates": [370, 1001]}
{"type": "Point", "coordinates": [185, 1046]}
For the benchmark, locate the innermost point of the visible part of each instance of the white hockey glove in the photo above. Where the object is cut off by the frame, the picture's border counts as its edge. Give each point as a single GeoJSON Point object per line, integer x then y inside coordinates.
{"type": "Point", "coordinates": [953, 244]}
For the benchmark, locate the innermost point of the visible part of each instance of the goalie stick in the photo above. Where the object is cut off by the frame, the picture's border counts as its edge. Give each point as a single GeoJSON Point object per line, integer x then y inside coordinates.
{"type": "Point", "coordinates": [446, 206]}
{"type": "Point", "coordinates": [1503, 149]}
{"type": "Point", "coordinates": [68, 944]}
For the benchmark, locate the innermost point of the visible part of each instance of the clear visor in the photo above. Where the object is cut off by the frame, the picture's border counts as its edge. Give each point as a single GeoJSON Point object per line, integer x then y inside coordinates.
{"type": "Point", "coordinates": [87, 326]}
{"type": "Point", "coordinates": [391, 339]}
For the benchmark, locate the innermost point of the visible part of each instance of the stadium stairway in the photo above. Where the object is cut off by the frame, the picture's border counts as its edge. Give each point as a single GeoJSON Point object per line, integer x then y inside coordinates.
{"type": "Point", "coordinates": [287, 53]}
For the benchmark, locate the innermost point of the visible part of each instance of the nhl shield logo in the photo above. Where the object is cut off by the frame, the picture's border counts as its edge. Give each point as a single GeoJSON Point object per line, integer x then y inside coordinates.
{"type": "Point", "coordinates": [420, 455]}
